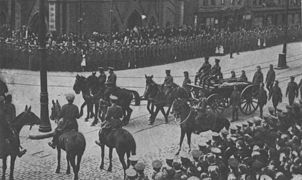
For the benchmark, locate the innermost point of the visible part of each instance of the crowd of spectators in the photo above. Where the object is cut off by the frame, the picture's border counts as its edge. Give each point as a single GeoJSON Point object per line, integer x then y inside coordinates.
{"type": "Point", "coordinates": [262, 149]}
{"type": "Point", "coordinates": [138, 47]}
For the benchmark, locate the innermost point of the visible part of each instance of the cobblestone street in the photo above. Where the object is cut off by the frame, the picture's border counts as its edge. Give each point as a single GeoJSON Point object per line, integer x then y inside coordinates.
{"type": "Point", "coordinates": [153, 142]}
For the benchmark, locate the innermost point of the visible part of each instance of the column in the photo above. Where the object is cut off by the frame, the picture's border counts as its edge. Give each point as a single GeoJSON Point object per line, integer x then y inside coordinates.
{"type": "Point", "coordinates": [182, 9]}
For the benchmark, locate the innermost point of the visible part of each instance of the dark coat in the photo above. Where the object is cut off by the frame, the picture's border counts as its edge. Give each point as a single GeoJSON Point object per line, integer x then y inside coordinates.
{"type": "Point", "coordinates": [262, 97]}
{"type": "Point", "coordinates": [235, 98]}
{"type": "Point", "coordinates": [276, 95]}
{"type": "Point", "coordinates": [270, 77]}
{"type": "Point", "coordinates": [258, 77]}
{"type": "Point", "coordinates": [112, 80]}
{"type": "Point", "coordinates": [70, 114]}
{"type": "Point", "coordinates": [292, 89]}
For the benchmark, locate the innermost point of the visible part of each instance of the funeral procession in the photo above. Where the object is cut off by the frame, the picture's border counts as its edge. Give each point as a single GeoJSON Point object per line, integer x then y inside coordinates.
{"type": "Point", "coordinates": [151, 89]}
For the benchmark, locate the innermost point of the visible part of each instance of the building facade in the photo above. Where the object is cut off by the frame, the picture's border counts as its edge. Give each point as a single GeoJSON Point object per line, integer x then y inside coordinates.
{"type": "Point", "coordinates": [79, 16]}
{"type": "Point", "coordinates": [234, 14]}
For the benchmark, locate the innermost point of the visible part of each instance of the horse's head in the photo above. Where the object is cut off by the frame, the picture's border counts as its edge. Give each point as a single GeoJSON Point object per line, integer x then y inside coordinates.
{"type": "Point", "coordinates": [55, 110]}
{"type": "Point", "coordinates": [79, 84]}
{"type": "Point", "coordinates": [178, 107]}
{"type": "Point", "coordinates": [150, 86]}
{"type": "Point", "coordinates": [27, 117]}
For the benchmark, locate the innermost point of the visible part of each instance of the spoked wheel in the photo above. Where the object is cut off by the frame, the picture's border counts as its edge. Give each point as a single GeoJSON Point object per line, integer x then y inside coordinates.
{"type": "Point", "coordinates": [249, 99]}
{"type": "Point", "coordinates": [216, 103]}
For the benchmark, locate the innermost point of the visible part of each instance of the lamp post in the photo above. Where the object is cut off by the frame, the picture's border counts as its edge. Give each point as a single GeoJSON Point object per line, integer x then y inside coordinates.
{"type": "Point", "coordinates": [282, 57]}
{"type": "Point", "coordinates": [45, 123]}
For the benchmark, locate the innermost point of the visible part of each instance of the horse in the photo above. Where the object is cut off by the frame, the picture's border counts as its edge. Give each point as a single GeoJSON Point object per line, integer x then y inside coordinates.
{"type": "Point", "coordinates": [11, 149]}
{"type": "Point", "coordinates": [189, 123]}
{"type": "Point", "coordinates": [72, 142]}
{"type": "Point", "coordinates": [120, 139]}
{"type": "Point", "coordinates": [81, 84]}
{"type": "Point", "coordinates": [160, 97]}
{"type": "Point", "coordinates": [125, 97]}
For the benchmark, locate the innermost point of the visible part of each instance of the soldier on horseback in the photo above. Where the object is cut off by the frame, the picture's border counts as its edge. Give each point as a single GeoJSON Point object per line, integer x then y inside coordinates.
{"type": "Point", "coordinates": [110, 83]}
{"type": "Point", "coordinates": [215, 72]}
{"type": "Point", "coordinates": [204, 71]}
{"type": "Point", "coordinates": [10, 134]}
{"type": "Point", "coordinates": [70, 114]}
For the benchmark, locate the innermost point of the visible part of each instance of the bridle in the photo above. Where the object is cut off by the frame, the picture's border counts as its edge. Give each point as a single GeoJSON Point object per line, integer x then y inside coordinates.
{"type": "Point", "coordinates": [187, 117]}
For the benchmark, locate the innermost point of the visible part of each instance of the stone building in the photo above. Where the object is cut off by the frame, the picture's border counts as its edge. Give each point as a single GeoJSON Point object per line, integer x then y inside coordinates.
{"type": "Point", "coordinates": [81, 16]}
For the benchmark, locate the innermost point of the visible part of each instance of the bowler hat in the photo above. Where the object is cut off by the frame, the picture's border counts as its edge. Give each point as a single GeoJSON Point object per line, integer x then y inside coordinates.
{"type": "Point", "coordinates": [69, 97]}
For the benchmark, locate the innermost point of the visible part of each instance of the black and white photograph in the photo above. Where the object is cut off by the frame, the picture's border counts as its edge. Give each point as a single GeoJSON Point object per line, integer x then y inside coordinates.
{"type": "Point", "coordinates": [150, 89]}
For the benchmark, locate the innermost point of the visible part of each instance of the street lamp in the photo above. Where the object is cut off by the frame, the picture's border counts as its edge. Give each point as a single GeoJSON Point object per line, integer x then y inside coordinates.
{"type": "Point", "coordinates": [282, 57]}
{"type": "Point", "coordinates": [45, 123]}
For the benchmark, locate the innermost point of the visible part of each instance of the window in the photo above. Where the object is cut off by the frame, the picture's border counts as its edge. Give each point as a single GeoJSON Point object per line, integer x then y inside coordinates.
{"type": "Point", "coordinates": [213, 2]}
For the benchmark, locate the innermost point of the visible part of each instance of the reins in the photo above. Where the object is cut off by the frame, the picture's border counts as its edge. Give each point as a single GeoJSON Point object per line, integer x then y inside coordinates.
{"type": "Point", "coordinates": [187, 117]}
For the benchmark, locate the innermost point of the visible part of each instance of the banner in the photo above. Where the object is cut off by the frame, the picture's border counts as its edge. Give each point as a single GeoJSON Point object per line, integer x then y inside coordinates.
{"type": "Point", "coordinates": [52, 16]}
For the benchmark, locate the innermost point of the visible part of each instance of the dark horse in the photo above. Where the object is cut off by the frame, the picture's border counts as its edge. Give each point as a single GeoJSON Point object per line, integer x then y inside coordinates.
{"type": "Point", "coordinates": [160, 97]}
{"type": "Point", "coordinates": [72, 142]}
{"type": "Point", "coordinates": [189, 124]}
{"type": "Point", "coordinates": [82, 85]}
{"type": "Point", "coordinates": [11, 149]}
{"type": "Point", "coordinates": [121, 140]}
{"type": "Point", "coordinates": [125, 97]}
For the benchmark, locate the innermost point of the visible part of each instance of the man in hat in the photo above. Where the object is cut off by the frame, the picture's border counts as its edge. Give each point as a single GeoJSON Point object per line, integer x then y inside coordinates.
{"type": "Point", "coordinates": [156, 165]}
{"type": "Point", "coordinates": [186, 81]}
{"type": "Point", "coordinates": [203, 71]}
{"type": "Point", "coordinates": [113, 115]}
{"type": "Point", "coordinates": [69, 114]}
{"type": "Point", "coordinates": [140, 167]}
{"type": "Point", "coordinates": [243, 76]}
{"type": "Point", "coordinates": [110, 83]}
{"type": "Point", "coordinates": [168, 82]}
{"type": "Point", "coordinates": [270, 78]}
{"type": "Point", "coordinates": [262, 98]}
{"type": "Point", "coordinates": [235, 103]}
{"type": "Point", "coordinates": [258, 76]}
{"type": "Point", "coordinates": [102, 77]}
{"type": "Point", "coordinates": [292, 90]}
{"type": "Point", "coordinates": [216, 70]}
{"type": "Point", "coordinates": [276, 95]}
{"type": "Point", "coordinates": [9, 134]}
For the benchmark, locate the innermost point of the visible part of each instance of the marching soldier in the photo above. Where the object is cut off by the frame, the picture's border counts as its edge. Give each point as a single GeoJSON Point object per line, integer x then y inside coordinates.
{"type": "Point", "coordinates": [258, 76]}
{"type": "Point", "coordinates": [270, 78]}
{"type": "Point", "coordinates": [203, 71]}
{"type": "Point", "coordinates": [291, 90]}
{"type": "Point", "coordinates": [186, 81]}
{"type": "Point", "coordinates": [70, 114]}
{"type": "Point", "coordinates": [276, 95]}
{"type": "Point", "coordinates": [262, 98]}
{"type": "Point", "coordinates": [235, 103]}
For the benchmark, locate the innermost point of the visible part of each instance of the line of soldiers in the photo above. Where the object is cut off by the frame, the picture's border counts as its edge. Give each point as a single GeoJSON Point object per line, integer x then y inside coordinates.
{"type": "Point", "coordinates": [253, 150]}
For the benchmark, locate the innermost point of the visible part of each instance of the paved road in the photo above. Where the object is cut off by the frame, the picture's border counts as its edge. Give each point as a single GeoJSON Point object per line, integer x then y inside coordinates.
{"type": "Point", "coordinates": [152, 141]}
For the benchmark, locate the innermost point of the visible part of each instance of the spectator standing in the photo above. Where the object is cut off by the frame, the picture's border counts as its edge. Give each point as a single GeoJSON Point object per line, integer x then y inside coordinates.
{"type": "Point", "coordinates": [276, 95]}
{"type": "Point", "coordinates": [262, 98]}
{"type": "Point", "coordinates": [292, 90]}
{"type": "Point", "coordinates": [270, 78]}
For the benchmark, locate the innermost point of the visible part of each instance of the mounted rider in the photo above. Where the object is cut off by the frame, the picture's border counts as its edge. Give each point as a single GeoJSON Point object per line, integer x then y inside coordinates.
{"type": "Point", "coordinates": [112, 118]}
{"type": "Point", "coordinates": [5, 122]}
{"type": "Point", "coordinates": [101, 80]}
{"type": "Point", "coordinates": [70, 114]}
{"type": "Point", "coordinates": [110, 83]}
{"type": "Point", "coordinates": [168, 82]}
{"type": "Point", "coordinates": [203, 71]}
{"type": "Point", "coordinates": [215, 72]}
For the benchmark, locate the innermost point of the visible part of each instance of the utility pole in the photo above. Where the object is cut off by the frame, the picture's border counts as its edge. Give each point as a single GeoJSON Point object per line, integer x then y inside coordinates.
{"type": "Point", "coordinates": [45, 123]}
{"type": "Point", "coordinates": [282, 57]}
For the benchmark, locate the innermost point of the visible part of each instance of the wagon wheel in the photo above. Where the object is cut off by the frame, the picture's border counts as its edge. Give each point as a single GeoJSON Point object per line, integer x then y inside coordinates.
{"type": "Point", "coordinates": [216, 103]}
{"type": "Point", "coordinates": [249, 99]}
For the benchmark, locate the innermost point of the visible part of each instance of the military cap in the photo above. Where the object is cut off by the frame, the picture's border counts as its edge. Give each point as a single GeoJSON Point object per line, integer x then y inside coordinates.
{"type": "Point", "coordinates": [133, 158]}
{"type": "Point", "coordinates": [168, 70]}
{"type": "Point", "coordinates": [110, 68]}
{"type": "Point", "coordinates": [2, 99]}
{"type": "Point", "coordinates": [113, 98]}
{"type": "Point", "coordinates": [259, 67]}
{"type": "Point", "coordinates": [217, 60]}
{"type": "Point", "coordinates": [139, 166]}
{"type": "Point", "coordinates": [193, 178]}
{"type": "Point", "coordinates": [69, 97]}
{"type": "Point", "coordinates": [224, 132]}
{"type": "Point", "coordinates": [196, 153]}
{"type": "Point", "coordinates": [216, 150]}
{"type": "Point", "coordinates": [233, 162]}
{"type": "Point", "coordinates": [131, 173]}
{"type": "Point", "coordinates": [157, 164]}
{"type": "Point", "coordinates": [100, 68]}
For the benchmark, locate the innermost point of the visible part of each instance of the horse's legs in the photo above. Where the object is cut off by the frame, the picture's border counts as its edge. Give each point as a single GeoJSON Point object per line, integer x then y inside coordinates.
{"type": "Point", "coordinates": [102, 156]}
{"type": "Point", "coordinates": [96, 105]}
{"type": "Point", "coordinates": [182, 135]}
{"type": "Point", "coordinates": [73, 165]}
{"type": "Point", "coordinates": [110, 159]}
{"type": "Point", "coordinates": [12, 167]}
{"type": "Point", "coordinates": [154, 116]}
{"type": "Point", "coordinates": [189, 133]}
{"type": "Point", "coordinates": [164, 113]}
{"type": "Point", "coordinates": [79, 158]}
{"type": "Point", "coordinates": [121, 156]}
{"type": "Point", "coordinates": [88, 111]}
{"type": "Point", "coordinates": [127, 118]}
{"type": "Point", "coordinates": [128, 161]}
{"type": "Point", "coordinates": [59, 160]}
{"type": "Point", "coordinates": [68, 165]}
{"type": "Point", "coordinates": [4, 166]}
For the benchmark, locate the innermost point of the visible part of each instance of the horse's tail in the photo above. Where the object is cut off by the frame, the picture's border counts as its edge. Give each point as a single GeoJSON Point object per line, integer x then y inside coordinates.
{"type": "Point", "coordinates": [136, 97]}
